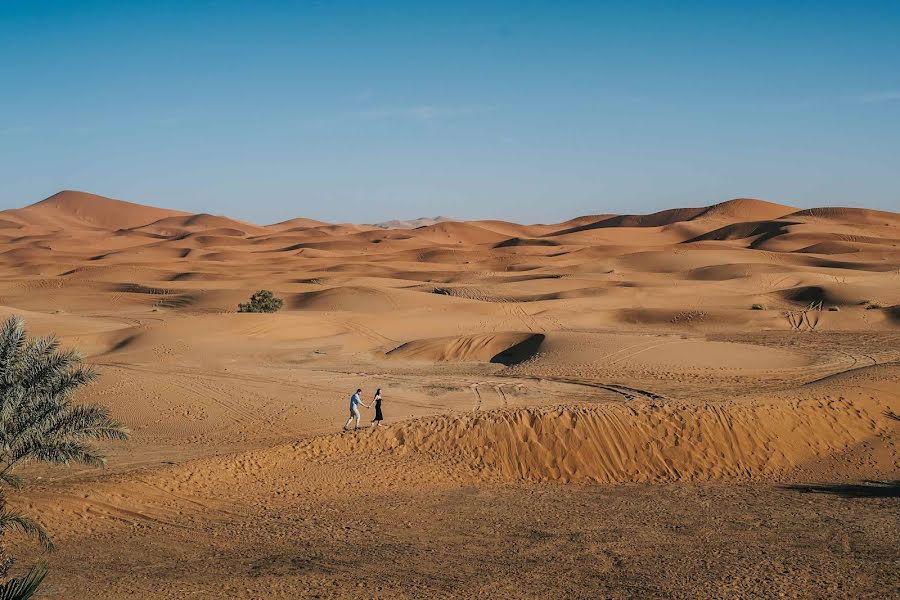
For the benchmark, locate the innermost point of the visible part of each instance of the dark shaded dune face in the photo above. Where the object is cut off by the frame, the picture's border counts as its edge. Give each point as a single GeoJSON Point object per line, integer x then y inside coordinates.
{"type": "Point", "coordinates": [730, 271]}
{"type": "Point", "coordinates": [505, 348]}
{"type": "Point", "coordinates": [195, 276]}
{"type": "Point", "coordinates": [738, 209]}
{"type": "Point", "coordinates": [666, 217]}
{"type": "Point", "coordinates": [360, 299]}
{"type": "Point", "coordinates": [750, 229]}
{"type": "Point", "coordinates": [516, 242]}
{"type": "Point", "coordinates": [811, 294]}
{"type": "Point", "coordinates": [338, 245]}
{"type": "Point", "coordinates": [894, 313]}
{"type": "Point", "coordinates": [143, 253]}
{"type": "Point", "coordinates": [833, 294]}
{"type": "Point", "coordinates": [874, 267]}
{"type": "Point", "coordinates": [523, 268]}
{"type": "Point", "coordinates": [136, 288]}
{"type": "Point", "coordinates": [832, 247]}
{"type": "Point", "coordinates": [521, 352]}
{"type": "Point", "coordinates": [206, 239]}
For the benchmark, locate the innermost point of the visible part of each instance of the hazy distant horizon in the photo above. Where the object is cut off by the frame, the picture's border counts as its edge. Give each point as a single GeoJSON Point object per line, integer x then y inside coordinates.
{"type": "Point", "coordinates": [524, 111]}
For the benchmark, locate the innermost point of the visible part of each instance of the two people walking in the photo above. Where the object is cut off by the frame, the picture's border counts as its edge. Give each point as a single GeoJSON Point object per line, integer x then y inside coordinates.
{"type": "Point", "coordinates": [356, 401]}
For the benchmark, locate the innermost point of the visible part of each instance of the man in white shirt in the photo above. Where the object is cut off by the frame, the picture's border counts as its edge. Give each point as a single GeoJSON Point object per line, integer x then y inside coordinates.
{"type": "Point", "coordinates": [355, 401]}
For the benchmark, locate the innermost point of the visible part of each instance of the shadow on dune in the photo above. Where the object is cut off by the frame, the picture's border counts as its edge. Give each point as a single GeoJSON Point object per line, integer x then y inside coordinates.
{"type": "Point", "coordinates": [866, 489]}
{"type": "Point", "coordinates": [894, 312]}
{"type": "Point", "coordinates": [521, 351]}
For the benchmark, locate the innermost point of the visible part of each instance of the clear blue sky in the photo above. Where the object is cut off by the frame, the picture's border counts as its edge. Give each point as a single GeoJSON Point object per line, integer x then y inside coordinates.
{"type": "Point", "coordinates": [530, 111]}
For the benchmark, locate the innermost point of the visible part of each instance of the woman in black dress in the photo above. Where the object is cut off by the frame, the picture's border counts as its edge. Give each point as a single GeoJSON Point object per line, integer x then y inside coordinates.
{"type": "Point", "coordinates": [378, 416]}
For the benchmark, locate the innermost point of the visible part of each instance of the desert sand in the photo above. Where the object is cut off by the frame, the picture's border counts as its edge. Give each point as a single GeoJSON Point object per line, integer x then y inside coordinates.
{"type": "Point", "coordinates": [696, 403]}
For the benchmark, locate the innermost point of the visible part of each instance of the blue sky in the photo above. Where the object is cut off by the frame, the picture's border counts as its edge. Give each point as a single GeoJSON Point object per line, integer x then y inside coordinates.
{"type": "Point", "coordinates": [528, 111]}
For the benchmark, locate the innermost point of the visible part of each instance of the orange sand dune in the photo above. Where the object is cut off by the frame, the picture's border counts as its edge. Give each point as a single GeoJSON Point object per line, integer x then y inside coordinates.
{"type": "Point", "coordinates": [641, 443]}
{"type": "Point", "coordinates": [739, 209]}
{"type": "Point", "coordinates": [865, 216]}
{"type": "Point", "coordinates": [503, 348]}
{"type": "Point", "coordinates": [182, 225]}
{"type": "Point", "coordinates": [298, 223]}
{"type": "Point", "coordinates": [70, 208]}
{"type": "Point", "coordinates": [724, 357]}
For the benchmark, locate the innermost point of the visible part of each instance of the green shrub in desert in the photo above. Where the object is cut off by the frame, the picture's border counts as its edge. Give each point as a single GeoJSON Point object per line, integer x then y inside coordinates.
{"type": "Point", "coordinates": [40, 423]}
{"type": "Point", "coordinates": [262, 301]}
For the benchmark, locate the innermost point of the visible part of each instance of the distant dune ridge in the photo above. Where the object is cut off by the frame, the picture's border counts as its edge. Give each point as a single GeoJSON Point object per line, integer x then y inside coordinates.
{"type": "Point", "coordinates": [609, 262]}
{"type": "Point", "coordinates": [71, 208]}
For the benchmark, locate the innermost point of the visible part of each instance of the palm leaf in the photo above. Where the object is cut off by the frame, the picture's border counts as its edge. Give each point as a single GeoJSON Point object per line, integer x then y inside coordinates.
{"type": "Point", "coordinates": [23, 588]}
{"type": "Point", "coordinates": [12, 340]}
{"type": "Point", "coordinates": [13, 481]}
{"type": "Point", "coordinates": [14, 521]}
{"type": "Point", "coordinates": [38, 422]}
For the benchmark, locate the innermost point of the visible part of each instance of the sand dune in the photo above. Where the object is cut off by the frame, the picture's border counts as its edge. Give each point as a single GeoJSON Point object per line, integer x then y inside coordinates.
{"type": "Point", "coordinates": [453, 232]}
{"type": "Point", "coordinates": [70, 208]}
{"type": "Point", "coordinates": [176, 226]}
{"type": "Point", "coordinates": [865, 216]}
{"type": "Point", "coordinates": [635, 444]}
{"type": "Point", "coordinates": [504, 348]}
{"type": "Point", "coordinates": [706, 353]}
{"type": "Point", "coordinates": [298, 223]}
{"type": "Point", "coordinates": [740, 209]}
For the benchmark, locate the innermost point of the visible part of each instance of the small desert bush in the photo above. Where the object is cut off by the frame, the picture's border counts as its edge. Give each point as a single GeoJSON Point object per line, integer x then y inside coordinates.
{"type": "Point", "coordinates": [758, 306]}
{"type": "Point", "coordinates": [262, 301]}
{"type": "Point", "coordinates": [872, 304]}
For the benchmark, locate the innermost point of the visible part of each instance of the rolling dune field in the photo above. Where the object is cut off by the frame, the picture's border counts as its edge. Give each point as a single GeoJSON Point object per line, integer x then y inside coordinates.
{"type": "Point", "coordinates": [697, 403]}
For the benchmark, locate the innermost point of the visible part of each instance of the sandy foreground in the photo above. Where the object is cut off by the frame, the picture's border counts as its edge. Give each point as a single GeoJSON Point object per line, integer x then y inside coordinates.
{"type": "Point", "coordinates": [591, 409]}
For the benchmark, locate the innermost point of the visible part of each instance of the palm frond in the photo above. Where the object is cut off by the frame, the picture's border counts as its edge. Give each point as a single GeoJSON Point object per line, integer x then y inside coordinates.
{"type": "Point", "coordinates": [12, 340]}
{"type": "Point", "coordinates": [67, 383]}
{"type": "Point", "coordinates": [86, 421]}
{"type": "Point", "coordinates": [43, 364]}
{"type": "Point", "coordinates": [23, 588]}
{"type": "Point", "coordinates": [13, 481]}
{"type": "Point", "coordinates": [59, 453]}
{"type": "Point", "coordinates": [38, 421]}
{"type": "Point", "coordinates": [14, 521]}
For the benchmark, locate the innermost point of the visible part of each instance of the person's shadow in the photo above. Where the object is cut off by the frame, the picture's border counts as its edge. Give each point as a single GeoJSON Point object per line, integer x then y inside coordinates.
{"type": "Point", "coordinates": [866, 489]}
